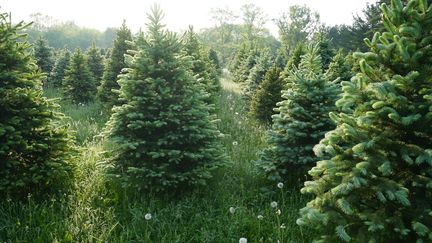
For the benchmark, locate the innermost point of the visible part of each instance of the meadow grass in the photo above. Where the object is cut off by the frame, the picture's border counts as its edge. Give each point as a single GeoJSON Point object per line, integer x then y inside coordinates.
{"type": "Point", "coordinates": [96, 212]}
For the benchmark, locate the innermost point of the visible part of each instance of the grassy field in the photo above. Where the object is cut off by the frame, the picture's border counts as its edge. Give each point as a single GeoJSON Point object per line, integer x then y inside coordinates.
{"type": "Point", "coordinates": [94, 212]}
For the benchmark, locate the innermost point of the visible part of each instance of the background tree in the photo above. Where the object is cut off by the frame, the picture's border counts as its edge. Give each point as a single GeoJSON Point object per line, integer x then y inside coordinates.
{"type": "Point", "coordinates": [59, 71]}
{"type": "Point", "coordinates": [253, 20]}
{"type": "Point", "coordinates": [301, 120]}
{"type": "Point", "coordinates": [376, 185]}
{"type": "Point", "coordinates": [214, 58]}
{"type": "Point", "coordinates": [267, 96]}
{"type": "Point", "coordinates": [35, 150]}
{"type": "Point", "coordinates": [340, 68]}
{"type": "Point", "coordinates": [79, 84]}
{"type": "Point", "coordinates": [107, 90]}
{"type": "Point", "coordinates": [164, 133]}
{"type": "Point", "coordinates": [43, 55]}
{"type": "Point", "coordinates": [95, 63]}
{"type": "Point", "coordinates": [263, 61]}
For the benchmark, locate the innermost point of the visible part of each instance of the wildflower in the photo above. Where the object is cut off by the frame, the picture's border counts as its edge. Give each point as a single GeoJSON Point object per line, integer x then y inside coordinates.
{"type": "Point", "coordinates": [232, 210]}
{"type": "Point", "coordinates": [278, 212]}
{"type": "Point", "coordinates": [273, 204]}
{"type": "Point", "coordinates": [280, 185]}
{"type": "Point", "coordinates": [236, 113]}
{"type": "Point", "coordinates": [148, 216]}
{"type": "Point", "coordinates": [235, 143]}
{"type": "Point", "coordinates": [260, 217]}
{"type": "Point", "coordinates": [243, 240]}
{"type": "Point", "coordinates": [283, 226]}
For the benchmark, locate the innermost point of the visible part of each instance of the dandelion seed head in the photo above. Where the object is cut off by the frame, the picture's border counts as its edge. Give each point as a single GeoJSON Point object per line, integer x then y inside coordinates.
{"type": "Point", "coordinates": [148, 216]}
{"type": "Point", "coordinates": [243, 240]}
{"type": "Point", "coordinates": [235, 143]}
{"type": "Point", "coordinates": [278, 212]}
{"type": "Point", "coordinates": [280, 185]}
{"type": "Point", "coordinates": [232, 210]}
{"type": "Point", "coordinates": [283, 226]}
{"type": "Point", "coordinates": [260, 217]}
{"type": "Point", "coordinates": [273, 204]}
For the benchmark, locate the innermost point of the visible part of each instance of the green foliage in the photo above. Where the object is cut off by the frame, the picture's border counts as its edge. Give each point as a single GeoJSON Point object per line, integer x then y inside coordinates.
{"type": "Point", "coordinates": [214, 58]}
{"type": "Point", "coordinates": [301, 121]}
{"type": "Point", "coordinates": [95, 63]}
{"type": "Point", "coordinates": [79, 85]}
{"type": "Point", "coordinates": [202, 66]}
{"type": "Point", "coordinates": [166, 138]}
{"type": "Point", "coordinates": [59, 71]}
{"type": "Point", "coordinates": [108, 90]}
{"type": "Point", "coordinates": [376, 184]}
{"type": "Point", "coordinates": [326, 52]}
{"type": "Point", "coordinates": [263, 61]}
{"type": "Point", "coordinates": [267, 96]}
{"type": "Point", "coordinates": [339, 69]}
{"type": "Point", "coordinates": [43, 55]}
{"type": "Point", "coordinates": [35, 150]}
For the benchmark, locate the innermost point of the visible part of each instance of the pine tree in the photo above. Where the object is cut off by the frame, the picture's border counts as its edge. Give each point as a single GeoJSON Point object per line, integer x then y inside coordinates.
{"type": "Point", "coordinates": [376, 186]}
{"type": "Point", "coordinates": [43, 55]}
{"type": "Point", "coordinates": [59, 71]}
{"type": "Point", "coordinates": [267, 96]}
{"type": "Point", "coordinates": [213, 56]}
{"type": "Point", "coordinates": [339, 69]}
{"type": "Point", "coordinates": [326, 52]}
{"type": "Point", "coordinates": [108, 90]}
{"type": "Point", "coordinates": [202, 66]}
{"type": "Point", "coordinates": [35, 150]}
{"type": "Point", "coordinates": [263, 61]}
{"type": "Point", "coordinates": [294, 61]}
{"type": "Point", "coordinates": [166, 138]}
{"type": "Point", "coordinates": [95, 63]}
{"type": "Point", "coordinates": [79, 84]}
{"type": "Point", "coordinates": [301, 120]}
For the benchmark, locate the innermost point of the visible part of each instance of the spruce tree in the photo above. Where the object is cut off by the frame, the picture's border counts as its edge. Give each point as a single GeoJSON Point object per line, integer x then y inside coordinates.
{"type": "Point", "coordinates": [267, 96]}
{"type": "Point", "coordinates": [326, 52]}
{"type": "Point", "coordinates": [214, 58]}
{"type": "Point", "coordinates": [59, 71]}
{"type": "Point", "coordinates": [165, 137]}
{"type": "Point", "coordinates": [263, 61]}
{"type": "Point", "coordinates": [339, 69]}
{"type": "Point", "coordinates": [301, 120]}
{"type": "Point", "coordinates": [43, 55]}
{"type": "Point", "coordinates": [202, 66]}
{"type": "Point", "coordinates": [95, 63]}
{"type": "Point", "coordinates": [79, 85]}
{"type": "Point", "coordinates": [293, 61]}
{"type": "Point", "coordinates": [108, 90]}
{"type": "Point", "coordinates": [376, 186]}
{"type": "Point", "coordinates": [35, 150]}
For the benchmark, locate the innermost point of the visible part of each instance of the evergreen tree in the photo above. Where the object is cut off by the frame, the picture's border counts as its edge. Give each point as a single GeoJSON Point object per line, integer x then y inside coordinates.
{"type": "Point", "coordinates": [339, 69]}
{"type": "Point", "coordinates": [202, 66]}
{"type": "Point", "coordinates": [95, 63]}
{"type": "Point", "coordinates": [108, 90]}
{"type": "Point", "coordinates": [213, 56]}
{"type": "Point", "coordinates": [326, 52]}
{"type": "Point", "coordinates": [166, 138]}
{"type": "Point", "coordinates": [293, 62]}
{"type": "Point", "coordinates": [79, 84]}
{"type": "Point", "coordinates": [301, 120]}
{"type": "Point", "coordinates": [236, 65]}
{"type": "Point", "coordinates": [43, 55]}
{"type": "Point", "coordinates": [263, 62]}
{"type": "Point", "coordinates": [59, 71]}
{"type": "Point", "coordinates": [376, 186]}
{"type": "Point", "coordinates": [35, 150]}
{"type": "Point", "coordinates": [267, 96]}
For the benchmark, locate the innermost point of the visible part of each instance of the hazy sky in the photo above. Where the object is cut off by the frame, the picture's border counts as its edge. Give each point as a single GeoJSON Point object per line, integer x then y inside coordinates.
{"type": "Point", "coordinates": [179, 14]}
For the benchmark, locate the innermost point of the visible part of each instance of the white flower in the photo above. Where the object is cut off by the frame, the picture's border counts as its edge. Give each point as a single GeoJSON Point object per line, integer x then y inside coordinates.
{"type": "Point", "coordinates": [273, 204]}
{"type": "Point", "coordinates": [280, 185]}
{"type": "Point", "coordinates": [235, 143]}
{"type": "Point", "coordinates": [236, 113]}
{"type": "Point", "coordinates": [260, 217]}
{"type": "Point", "coordinates": [232, 210]}
{"type": "Point", "coordinates": [283, 226]}
{"type": "Point", "coordinates": [243, 240]}
{"type": "Point", "coordinates": [278, 212]}
{"type": "Point", "coordinates": [148, 216]}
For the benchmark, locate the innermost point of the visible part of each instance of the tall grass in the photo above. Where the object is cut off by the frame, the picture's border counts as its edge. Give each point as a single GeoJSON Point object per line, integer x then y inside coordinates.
{"type": "Point", "coordinates": [95, 212]}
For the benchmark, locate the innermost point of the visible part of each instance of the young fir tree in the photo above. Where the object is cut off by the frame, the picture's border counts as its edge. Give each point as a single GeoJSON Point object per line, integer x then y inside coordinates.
{"type": "Point", "coordinates": [293, 61]}
{"type": "Point", "coordinates": [263, 62]}
{"type": "Point", "coordinates": [301, 121]}
{"type": "Point", "coordinates": [326, 52]}
{"type": "Point", "coordinates": [59, 71]}
{"type": "Point", "coordinates": [108, 90]}
{"type": "Point", "coordinates": [339, 69]}
{"type": "Point", "coordinates": [95, 63]}
{"type": "Point", "coordinates": [237, 61]}
{"type": "Point", "coordinates": [79, 85]}
{"type": "Point", "coordinates": [267, 96]}
{"type": "Point", "coordinates": [214, 58]}
{"type": "Point", "coordinates": [202, 66]}
{"type": "Point", "coordinates": [376, 186]}
{"type": "Point", "coordinates": [43, 55]}
{"type": "Point", "coordinates": [35, 149]}
{"type": "Point", "coordinates": [166, 138]}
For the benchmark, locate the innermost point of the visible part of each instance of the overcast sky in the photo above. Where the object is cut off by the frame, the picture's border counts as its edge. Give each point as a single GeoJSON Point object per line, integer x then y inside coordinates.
{"type": "Point", "coordinates": [101, 14]}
